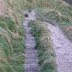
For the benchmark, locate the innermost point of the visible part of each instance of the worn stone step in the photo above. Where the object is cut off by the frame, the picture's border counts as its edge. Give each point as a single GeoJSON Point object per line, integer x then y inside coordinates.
{"type": "Point", "coordinates": [30, 45]}
{"type": "Point", "coordinates": [25, 23]}
{"type": "Point", "coordinates": [29, 28]}
{"type": "Point", "coordinates": [31, 71]}
{"type": "Point", "coordinates": [30, 42]}
{"type": "Point", "coordinates": [31, 67]}
{"type": "Point", "coordinates": [27, 47]}
{"type": "Point", "coordinates": [29, 34]}
{"type": "Point", "coordinates": [31, 51]}
{"type": "Point", "coordinates": [30, 38]}
{"type": "Point", "coordinates": [26, 28]}
{"type": "Point", "coordinates": [32, 55]}
{"type": "Point", "coordinates": [31, 61]}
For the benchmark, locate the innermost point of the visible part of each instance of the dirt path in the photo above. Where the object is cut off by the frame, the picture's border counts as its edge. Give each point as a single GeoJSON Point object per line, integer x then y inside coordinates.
{"type": "Point", "coordinates": [31, 61]}
{"type": "Point", "coordinates": [63, 49]}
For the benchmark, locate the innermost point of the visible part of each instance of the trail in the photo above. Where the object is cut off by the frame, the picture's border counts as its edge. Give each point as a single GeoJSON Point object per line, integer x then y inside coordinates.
{"type": "Point", "coordinates": [31, 60]}
{"type": "Point", "coordinates": [62, 47]}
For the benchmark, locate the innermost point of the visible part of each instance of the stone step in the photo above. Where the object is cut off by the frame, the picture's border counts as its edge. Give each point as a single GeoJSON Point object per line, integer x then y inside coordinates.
{"type": "Point", "coordinates": [26, 28]}
{"type": "Point", "coordinates": [29, 28]}
{"type": "Point", "coordinates": [31, 70]}
{"type": "Point", "coordinates": [29, 48]}
{"type": "Point", "coordinates": [30, 56]}
{"type": "Point", "coordinates": [30, 35]}
{"type": "Point", "coordinates": [27, 32]}
{"type": "Point", "coordinates": [31, 61]}
{"type": "Point", "coordinates": [30, 45]}
{"type": "Point", "coordinates": [25, 23]}
{"type": "Point", "coordinates": [30, 42]}
{"type": "Point", "coordinates": [31, 51]}
{"type": "Point", "coordinates": [31, 67]}
{"type": "Point", "coordinates": [30, 39]}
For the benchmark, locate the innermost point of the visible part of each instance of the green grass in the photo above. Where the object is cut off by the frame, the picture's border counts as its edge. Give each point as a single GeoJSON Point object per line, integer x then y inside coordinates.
{"type": "Point", "coordinates": [6, 22]}
{"type": "Point", "coordinates": [46, 53]}
{"type": "Point", "coordinates": [11, 48]}
{"type": "Point", "coordinates": [60, 15]}
{"type": "Point", "coordinates": [57, 11]}
{"type": "Point", "coordinates": [12, 38]}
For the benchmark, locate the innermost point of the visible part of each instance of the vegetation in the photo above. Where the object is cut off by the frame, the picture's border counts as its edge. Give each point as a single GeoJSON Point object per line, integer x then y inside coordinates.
{"type": "Point", "coordinates": [11, 40]}
{"type": "Point", "coordinates": [46, 53]}
{"type": "Point", "coordinates": [11, 46]}
{"type": "Point", "coordinates": [11, 32]}
{"type": "Point", "coordinates": [57, 10]}
{"type": "Point", "coordinates": [59, 13]}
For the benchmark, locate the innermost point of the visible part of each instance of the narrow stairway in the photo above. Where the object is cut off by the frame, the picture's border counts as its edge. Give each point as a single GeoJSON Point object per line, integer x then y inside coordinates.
{"type": "Point", "coordinates": [31, 61]}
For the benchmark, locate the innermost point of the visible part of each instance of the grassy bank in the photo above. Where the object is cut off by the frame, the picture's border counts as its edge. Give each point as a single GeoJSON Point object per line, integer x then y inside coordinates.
{"type": "Point", "coordinates": [58, 12]}
{"type": "Point", "coordinates": [11, 46]}
{"type": "Point", "coordinates": [60, 15]}
{"type": "Point", "coordinates": [46, 53]}
{"type": "Point", "coordinates": [11, 32]}
{"type": "Point", "coordinates": [12, 37]}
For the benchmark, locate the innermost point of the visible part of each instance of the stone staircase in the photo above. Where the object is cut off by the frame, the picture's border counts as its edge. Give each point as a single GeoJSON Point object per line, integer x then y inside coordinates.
{"type": "Point", "coordinates": [31, 60]}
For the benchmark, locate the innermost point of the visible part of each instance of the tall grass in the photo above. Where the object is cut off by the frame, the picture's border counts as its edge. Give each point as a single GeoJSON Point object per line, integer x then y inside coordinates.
{"type": "Point", "coordinates": [46, 53]}
{"type": "Point", "coordinates": [11, 46]}
{"type": "Point", "coordinates": [11, 33]}
{"type": "Point", "coordinates": [58, 12]}
{"type": "Point", "coordinates": [11, 38]}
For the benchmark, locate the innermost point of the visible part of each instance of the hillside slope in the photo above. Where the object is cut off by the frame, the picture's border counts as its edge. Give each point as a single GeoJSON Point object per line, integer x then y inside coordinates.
{"type": "Point", "coordinates": [12, 35]}
{"type": "Point", "coordinates": [11, 41]}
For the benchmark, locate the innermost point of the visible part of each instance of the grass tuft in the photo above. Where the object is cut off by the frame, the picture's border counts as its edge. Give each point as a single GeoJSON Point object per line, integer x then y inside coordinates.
{"type": "Point", "coordinates": [46, 53]}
